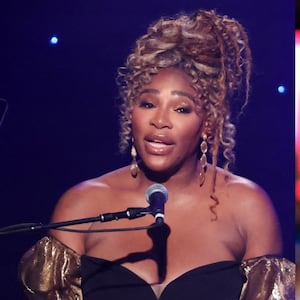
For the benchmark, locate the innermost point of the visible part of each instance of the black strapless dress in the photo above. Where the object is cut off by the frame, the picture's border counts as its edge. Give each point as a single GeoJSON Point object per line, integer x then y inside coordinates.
{"type": "Point", "coordinates": [103, 279]}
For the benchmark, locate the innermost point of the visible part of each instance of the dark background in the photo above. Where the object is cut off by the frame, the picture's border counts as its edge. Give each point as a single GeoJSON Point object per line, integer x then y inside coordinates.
{"type": "Point", "coordinates": [61, 126]}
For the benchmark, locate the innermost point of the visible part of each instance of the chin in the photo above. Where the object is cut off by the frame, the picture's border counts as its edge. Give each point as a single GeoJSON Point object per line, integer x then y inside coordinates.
{"type": "Point", "coordinates": [158, 164]}
{"type": "Point", "coordinates": [158, 170]}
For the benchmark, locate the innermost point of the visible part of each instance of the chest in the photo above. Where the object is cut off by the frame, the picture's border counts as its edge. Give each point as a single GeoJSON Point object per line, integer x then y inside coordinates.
{"type": "Point", "coordinates": [197, 239]}
{"type": "Point", "coordinates": [160, 255]}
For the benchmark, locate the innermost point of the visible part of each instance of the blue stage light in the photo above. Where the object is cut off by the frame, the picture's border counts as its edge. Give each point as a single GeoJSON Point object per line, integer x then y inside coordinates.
{"type": "Point", "coordinates": [53, 40]}
{"type": "Point", "coordinates": [281, 89]}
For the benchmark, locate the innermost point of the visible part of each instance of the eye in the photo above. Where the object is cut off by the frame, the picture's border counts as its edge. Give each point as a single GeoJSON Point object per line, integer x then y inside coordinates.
{"type": "Point", "coordinates": [183, 110]}
{"type": "Point", "coordinates": [146, 104]}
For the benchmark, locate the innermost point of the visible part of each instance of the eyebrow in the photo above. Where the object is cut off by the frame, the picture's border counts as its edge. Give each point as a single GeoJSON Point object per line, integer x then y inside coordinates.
{"type": "Point", "coordinates": [176, 93]}
{"type": "Point", "coordinates": [149, 91]}
{"type": "Point", "coordinates": [181, 93]}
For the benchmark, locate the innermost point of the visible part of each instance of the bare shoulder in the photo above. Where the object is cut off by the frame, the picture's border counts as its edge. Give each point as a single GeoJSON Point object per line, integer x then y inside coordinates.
{"type": "Point", "coordinates": [248, 198]}
{"type": "Point", "coordinates": [246, 192]}
{"type": "Point", "coordinates": [255, 216]}
{"type": "Point", "coordinates": [81, 199]}
{"type": "Point", "coordinates": [77, 200]}
{"type": "Point", "coordinates": [84, 200]}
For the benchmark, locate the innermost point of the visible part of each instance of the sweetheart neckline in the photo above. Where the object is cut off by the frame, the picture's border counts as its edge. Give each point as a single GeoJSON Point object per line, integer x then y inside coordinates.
{"type": "Point", "coordinates": [211, 266]}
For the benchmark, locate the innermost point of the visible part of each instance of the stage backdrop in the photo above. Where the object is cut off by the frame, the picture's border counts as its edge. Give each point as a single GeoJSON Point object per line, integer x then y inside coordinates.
{"type": "Point", "coordinates": [61, 125]}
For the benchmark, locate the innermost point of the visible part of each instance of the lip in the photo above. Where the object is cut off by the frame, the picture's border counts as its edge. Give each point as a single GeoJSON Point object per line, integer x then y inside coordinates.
{"type": "Point", "coordinates": [158, 144]}
{"type": "Point", "coordinates": [159, 139]}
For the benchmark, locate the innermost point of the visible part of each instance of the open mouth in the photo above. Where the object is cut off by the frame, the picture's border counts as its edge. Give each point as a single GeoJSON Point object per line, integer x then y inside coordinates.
{"type": "Point", "coordinates": [159, 140]}
{"type": "Point", "coordinates": [158, 145]}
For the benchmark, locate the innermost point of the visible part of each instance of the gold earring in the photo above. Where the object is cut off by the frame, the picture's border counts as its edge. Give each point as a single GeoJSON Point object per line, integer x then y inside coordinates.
{"type": "Point", "coordinates": [134, 166]}
{"type": "Point", "coordinates": [203, 159]}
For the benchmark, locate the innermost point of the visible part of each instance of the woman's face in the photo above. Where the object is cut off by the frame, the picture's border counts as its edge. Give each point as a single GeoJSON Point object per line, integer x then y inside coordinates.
{"type": "Point", "coordinates": [165, 125]}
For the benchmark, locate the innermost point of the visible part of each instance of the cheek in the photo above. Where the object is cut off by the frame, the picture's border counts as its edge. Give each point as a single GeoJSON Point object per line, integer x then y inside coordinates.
{"type": "Point", "coordinates": [192, 130]}
{"type": "Point", "coordinates": [137, 122]}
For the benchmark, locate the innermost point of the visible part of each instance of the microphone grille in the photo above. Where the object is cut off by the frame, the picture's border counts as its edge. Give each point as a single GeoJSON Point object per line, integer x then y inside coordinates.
{"type": "Point", "coordinates": [154, 188]}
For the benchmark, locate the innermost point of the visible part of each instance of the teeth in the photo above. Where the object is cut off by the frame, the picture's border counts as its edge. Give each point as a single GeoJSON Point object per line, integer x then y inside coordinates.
{"type": "Point", "coordinates": [155, 144]}
{"type": "Point", "coordinates": [158, 144]}
{"type": "Point", "coordinates": [157, 141]}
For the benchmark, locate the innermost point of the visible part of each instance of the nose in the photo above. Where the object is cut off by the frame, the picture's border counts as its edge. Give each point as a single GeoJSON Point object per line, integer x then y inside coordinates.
{"type": "Point", "coordinates": [161, 119]}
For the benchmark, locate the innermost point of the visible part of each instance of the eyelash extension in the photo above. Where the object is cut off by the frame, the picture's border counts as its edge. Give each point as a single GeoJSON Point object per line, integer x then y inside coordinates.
{"type": "Point", "coordinates": [184, 110]}
{"type": "Point", "coordinates": [146, 104]}
{"type": "Point", "coordinates": [149, 104]}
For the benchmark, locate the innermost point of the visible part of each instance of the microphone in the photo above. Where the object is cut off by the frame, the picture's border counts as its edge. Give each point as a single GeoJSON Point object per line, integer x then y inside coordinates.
{"type": "Point", "coordinates": [157, 196]}
{"type": "Point", "coordinates": [130, 213]}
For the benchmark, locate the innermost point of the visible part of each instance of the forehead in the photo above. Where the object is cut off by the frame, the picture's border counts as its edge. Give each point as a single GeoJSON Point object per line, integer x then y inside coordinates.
{"type": "Point", "coordinates": [171, 78]}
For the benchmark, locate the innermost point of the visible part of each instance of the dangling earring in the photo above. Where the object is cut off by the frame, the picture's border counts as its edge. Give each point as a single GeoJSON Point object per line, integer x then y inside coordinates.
{"type": "Point", "coordinates": [134, 166]}
{"type": "Point", "coordinates": [203, 159]}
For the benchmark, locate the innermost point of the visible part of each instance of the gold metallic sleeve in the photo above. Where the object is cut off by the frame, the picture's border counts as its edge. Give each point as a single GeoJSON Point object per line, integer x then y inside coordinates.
{"type": "Point", "coordinates": [50, 271]}
{"type": "Point", "coordinates": [268, 278]}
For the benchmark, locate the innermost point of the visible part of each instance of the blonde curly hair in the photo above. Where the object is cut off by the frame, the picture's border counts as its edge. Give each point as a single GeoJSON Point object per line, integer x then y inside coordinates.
{"type": "Point", "coordinates": [214, 51]}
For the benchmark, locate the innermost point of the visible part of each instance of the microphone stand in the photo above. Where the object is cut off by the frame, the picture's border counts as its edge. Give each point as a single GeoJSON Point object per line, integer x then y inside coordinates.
{"type": "Point", "coordinates": [129, 213]}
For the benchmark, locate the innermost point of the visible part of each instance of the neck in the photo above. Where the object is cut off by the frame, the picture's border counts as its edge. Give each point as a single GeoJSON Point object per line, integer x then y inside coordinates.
{"type": "Point", "coordinates": [180, 177]}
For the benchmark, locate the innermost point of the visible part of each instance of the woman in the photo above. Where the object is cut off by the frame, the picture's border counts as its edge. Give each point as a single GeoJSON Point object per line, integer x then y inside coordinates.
{"type": "Point", "coordinates": [221, 237]}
